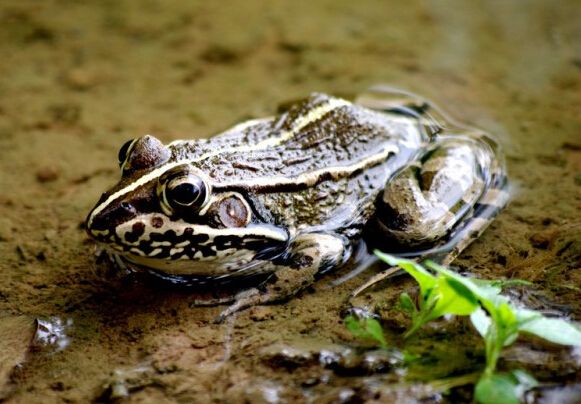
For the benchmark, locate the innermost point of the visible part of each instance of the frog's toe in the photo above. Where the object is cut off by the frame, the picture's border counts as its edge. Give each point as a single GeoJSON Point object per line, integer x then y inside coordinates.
{"type": "Point", "coordinates": [385, 274]}
{"type": "Point", "coordinates": [212, 301]}
{"type": "Point", "coordinates": [243, 300]}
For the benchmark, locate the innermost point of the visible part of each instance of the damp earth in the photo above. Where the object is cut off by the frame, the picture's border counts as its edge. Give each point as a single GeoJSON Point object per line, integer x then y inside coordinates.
{"type": "Point", "coordinates": [77, 79]}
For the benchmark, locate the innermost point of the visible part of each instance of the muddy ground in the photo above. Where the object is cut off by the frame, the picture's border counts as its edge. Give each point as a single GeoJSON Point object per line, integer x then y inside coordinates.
{"type": "Point", "coordinates": [78, 78]}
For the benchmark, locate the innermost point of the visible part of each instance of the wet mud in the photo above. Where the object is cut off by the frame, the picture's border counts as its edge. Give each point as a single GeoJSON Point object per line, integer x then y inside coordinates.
{"type": "Point", "coordinates": [77, 79]}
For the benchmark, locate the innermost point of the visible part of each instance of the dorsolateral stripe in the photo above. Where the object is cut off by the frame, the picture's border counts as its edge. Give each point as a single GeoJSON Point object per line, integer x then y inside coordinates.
{"type": "Point", "coordinates": [309, 179]}
{"type": "Point", "coordinates": [131, 187]}
{"type": "Point", "coordinates": [313, 177]}
{"type": "Point", "coordinates": [301, 122]}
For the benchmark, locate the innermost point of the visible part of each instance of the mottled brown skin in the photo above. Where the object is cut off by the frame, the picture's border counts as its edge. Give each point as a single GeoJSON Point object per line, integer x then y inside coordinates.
{"type": "Point", "coordinates": [289, 195]}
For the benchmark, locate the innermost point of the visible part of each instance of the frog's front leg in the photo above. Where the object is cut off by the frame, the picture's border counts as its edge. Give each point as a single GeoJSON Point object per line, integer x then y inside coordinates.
{"type": "Point", "coordinates": [308, 254]}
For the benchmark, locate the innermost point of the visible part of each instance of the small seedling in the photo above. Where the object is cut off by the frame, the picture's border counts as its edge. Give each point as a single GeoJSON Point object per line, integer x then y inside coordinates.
{"type": "Point", "coordinates": [366, 328]}
{"type": "Point", "coordinates": [497, 320]}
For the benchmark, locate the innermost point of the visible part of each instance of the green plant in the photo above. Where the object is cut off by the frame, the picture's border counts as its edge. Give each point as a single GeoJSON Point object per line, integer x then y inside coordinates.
{"type": "Point", "coordinates": [366, 328]}
{"type": "Point", "coordinates": [497, 320]}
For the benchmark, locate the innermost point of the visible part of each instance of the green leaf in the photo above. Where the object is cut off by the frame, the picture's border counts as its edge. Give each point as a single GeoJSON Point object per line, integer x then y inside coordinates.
{"type": "Point", "coordinates": [481, 322]}
{"type": "Point", "coordinates": [453, 298]}
{"type": "Point", "coordinates": [525, 381]}
{"type": "Point", "coordinates": [375, 331]}
{"type": "Point", "coordinates": [507, 320]}
{"type": "Point", "coordinates": [425, 279]}
{"type": "Point", "coordinates": [507, 315]}
{"type": "Point", "coordinates": [355, 327]}
{"type": "Point", "coordinates": [496, 389]}
{"type": "Point", "coordinates": [407, 304]}
{"type": "Point", "coordinates": [491, 313]}
{"type": "Point", "coordinates": [555, 330]}
{"type": "Point", "coordinates": [504, 388]}
{"type": "Point", "coordinates": [486, 291]}
{"type": "Point", "coordinates": [367, 328]}
{"type": "Point", "coordinates": [509, 339]}
{"type": "Point", "coordinates": [488, 288]}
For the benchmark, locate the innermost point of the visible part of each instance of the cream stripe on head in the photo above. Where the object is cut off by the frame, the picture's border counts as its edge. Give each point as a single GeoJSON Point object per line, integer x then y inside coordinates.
{"type": "Point", "coordinates": [301, 122]}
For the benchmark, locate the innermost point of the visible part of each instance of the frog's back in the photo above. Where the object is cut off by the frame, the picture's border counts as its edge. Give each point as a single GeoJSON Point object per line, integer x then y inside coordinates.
{"type": "Point", "coordinates": [333, 155]}
{"type": "Point", "coordinates": [316, 133]}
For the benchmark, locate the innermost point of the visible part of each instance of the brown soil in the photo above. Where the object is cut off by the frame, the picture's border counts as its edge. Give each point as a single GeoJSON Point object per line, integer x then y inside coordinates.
{"type": "Point", "coordinates": [79, 78]}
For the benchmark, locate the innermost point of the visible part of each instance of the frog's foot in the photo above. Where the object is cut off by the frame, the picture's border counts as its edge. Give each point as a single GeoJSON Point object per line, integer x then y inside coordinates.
{"type": "Point", "coordinates": [309, 254]}
{"type": "Point", "coordinates": [388, 273]}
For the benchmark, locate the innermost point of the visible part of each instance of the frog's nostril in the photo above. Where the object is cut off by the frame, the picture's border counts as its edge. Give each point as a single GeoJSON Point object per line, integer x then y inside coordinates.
{"type": "Point", "coordinates": [124, 211]}
{"type": "Point", "coordinates": [113, 216]}
{"type": "Point", "coordinates": [126, 206]}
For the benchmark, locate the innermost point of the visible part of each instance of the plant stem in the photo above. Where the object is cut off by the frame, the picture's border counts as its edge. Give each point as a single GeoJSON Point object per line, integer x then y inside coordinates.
{"type": "Point", "coordinates": [451, 382]}
{"type": "Point", "coordinates": [417, 323]}
{"type": "Point", "coordinates": [494, 343]}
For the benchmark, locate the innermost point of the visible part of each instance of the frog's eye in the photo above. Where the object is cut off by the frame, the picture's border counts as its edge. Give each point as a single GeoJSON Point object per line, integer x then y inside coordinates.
{"type": "Point", "coordinates": [180, 190]}
{"type": "Point", "coordinates": [124, 151]}
{"type": "Point", "coordinates": [186, 191]}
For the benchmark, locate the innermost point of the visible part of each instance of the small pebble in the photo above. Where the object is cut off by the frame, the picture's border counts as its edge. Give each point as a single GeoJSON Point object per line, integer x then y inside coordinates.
{"type": "Point", "coordinates": [6, 230]}
{"type": "Point", "coordinates": [79, 79]}
{"type": "Point", "coordinates": [261, 313]}
{"type": "Point", "coordinates": [47, 174]}
{"type": "Point", "coordinates": [542, 240]}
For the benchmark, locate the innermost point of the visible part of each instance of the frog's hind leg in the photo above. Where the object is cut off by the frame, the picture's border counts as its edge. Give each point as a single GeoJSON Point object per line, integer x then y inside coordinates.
{"type": "Point", "coordinates": [473, 224]}
{"type": "Point", "coordinates": [438, 206]}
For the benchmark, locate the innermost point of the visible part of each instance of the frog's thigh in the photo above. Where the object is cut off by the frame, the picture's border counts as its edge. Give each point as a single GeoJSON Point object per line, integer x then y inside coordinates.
{"type": "Point", "coordinates": [424, 201]}
{"type": "Point", "coordinates": [310, 253]}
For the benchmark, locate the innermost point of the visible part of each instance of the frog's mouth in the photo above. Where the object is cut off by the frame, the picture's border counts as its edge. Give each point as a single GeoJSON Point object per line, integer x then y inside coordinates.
{"type": "Point", "coordinates": [249, 276]}
{"type": "Point", "coordinates": [185, 249]}
{"type": "Point", "coordinates": [236, 263]}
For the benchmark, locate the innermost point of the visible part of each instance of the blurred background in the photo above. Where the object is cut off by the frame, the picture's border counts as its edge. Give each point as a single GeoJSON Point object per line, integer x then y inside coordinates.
{"type": "Point", "coordinates": [78, 78]}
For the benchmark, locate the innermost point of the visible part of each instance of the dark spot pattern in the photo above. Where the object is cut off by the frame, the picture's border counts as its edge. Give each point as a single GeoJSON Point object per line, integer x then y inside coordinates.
{"type": "Point", "coordinates": [264, 248]}
{"type": "Point", "coordinates": [157, 222]}
{"type": "Point", "coordinates": [300, 261]}
{"type": "Point", "coordinates": [391, 218]}
{"type": "Point", "coordinates": [137, 231]}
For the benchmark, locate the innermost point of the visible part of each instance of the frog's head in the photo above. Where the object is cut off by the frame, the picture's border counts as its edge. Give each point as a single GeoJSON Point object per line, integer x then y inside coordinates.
{"type": "Point", "coordinates": [167, 215]}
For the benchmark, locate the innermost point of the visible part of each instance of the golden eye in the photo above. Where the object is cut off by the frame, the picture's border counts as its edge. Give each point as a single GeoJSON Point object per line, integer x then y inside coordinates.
{"type": "Point", "coordinates": [234, 212]}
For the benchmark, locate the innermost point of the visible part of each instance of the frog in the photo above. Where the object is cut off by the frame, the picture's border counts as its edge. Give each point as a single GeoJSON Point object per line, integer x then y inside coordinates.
{"type": "Point", "coordinates": [288, 197]}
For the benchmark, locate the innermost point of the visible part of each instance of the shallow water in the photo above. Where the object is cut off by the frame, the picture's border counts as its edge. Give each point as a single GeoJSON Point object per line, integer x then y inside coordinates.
{"type": "Point", "coordinates": [79, 78]}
